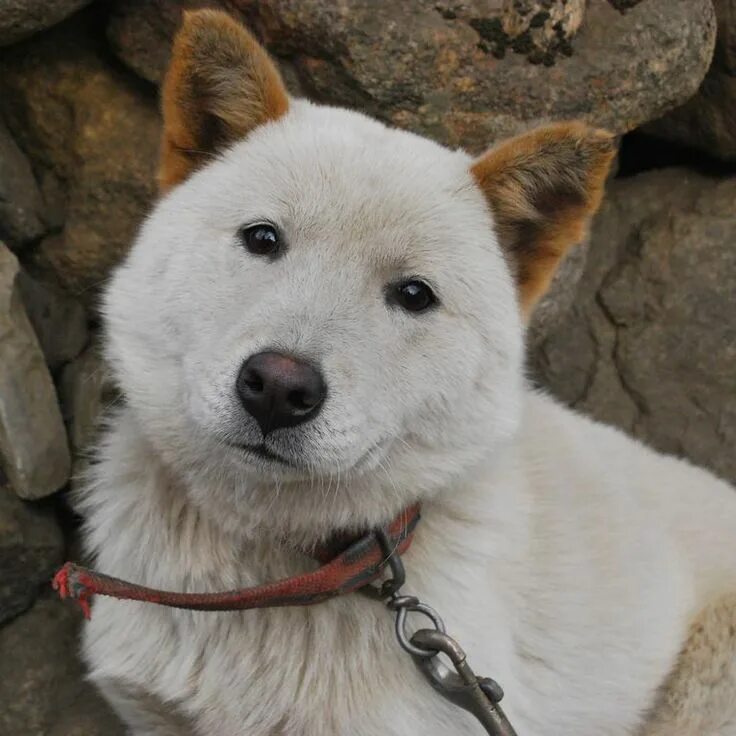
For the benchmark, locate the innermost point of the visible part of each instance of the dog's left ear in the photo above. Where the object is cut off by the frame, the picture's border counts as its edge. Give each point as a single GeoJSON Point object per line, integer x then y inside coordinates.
{"type": "Point", "coordinates": [543, 187]}
{"type": "Point", "coordinates": [220, 85]}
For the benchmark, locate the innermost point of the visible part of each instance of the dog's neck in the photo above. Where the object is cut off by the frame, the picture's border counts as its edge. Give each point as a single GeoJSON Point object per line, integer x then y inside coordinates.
{"type": "Point", "coordinates": [166, 518]}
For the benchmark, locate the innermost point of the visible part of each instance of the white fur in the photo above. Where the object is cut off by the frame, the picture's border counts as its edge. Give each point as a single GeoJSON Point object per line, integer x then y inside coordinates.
{"type": "Point", "coordinates": [566, 558]}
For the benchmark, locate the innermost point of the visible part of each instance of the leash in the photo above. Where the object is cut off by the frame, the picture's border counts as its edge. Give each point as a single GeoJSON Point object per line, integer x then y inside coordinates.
{"type": "Point", "coordinates": [360, 563]}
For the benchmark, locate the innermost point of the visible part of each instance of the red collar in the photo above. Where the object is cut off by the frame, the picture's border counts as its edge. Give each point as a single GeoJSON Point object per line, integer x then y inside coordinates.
{"type": "Point", "coordinates": [360, 563]}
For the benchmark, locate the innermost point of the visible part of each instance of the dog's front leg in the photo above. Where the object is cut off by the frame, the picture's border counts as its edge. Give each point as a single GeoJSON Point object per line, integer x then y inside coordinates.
{"type": "Point", "coordinates": [699, 696]}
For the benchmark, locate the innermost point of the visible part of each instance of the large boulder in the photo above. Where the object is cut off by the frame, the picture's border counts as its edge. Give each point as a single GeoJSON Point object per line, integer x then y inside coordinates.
{"type": "Point", "coordinates": [650, 343]}
{"type": "Point", "coordinates": [93, 136]}
{"type": "Point", "coordinates": [34, 454]}
{"type": "Point", "coordinates": [467, 73]}
{"type": "Point", "coordinates": [21, 18]}
{"type": "Point", "coordinates": [31, 549]}
{"type": "Point", "coordinates": [59, 321]}
{"type": "Point", "coordinates": [708, 120]}
{"type": "Point", "coordinates": [22, 218]}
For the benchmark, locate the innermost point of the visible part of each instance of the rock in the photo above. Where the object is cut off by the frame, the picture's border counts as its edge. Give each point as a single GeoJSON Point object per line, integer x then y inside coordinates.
{"type": "Point", "coordinates": [33, 446]}
{"type": "Point", "coordinates": [650, 343]}
{"type": "Point", "coordinates": [21, 205]}
{"type": "Point", "coordinates": [413, 66]}
{"type": "Point", "coordinates": [624, 5]}
{"type": "Point", "coordinates": [85, 390]}
{"type": "Point", "coordinates": [93, 134]}
{"type": "Point", "coordinates": [140, 33]}
{"type": "Point", "coordinates": [539, 29]}
{"type": "Point", "coordinates": [42, 690]}
{"type": "Point", "coordinates": [559, 298]}
{"type": "Point", "coordinates": [708, 120]}
{"type": "Point", "coordinates": [59, 321]}
{"type": "Point", "coordinates": [725, 55]}
{"type": "Point", "coordinates": [434, 67]}
{"type": "Point", "coordinates": [31, 549]}
{"type": "Point", "coordinates": [21, 18]}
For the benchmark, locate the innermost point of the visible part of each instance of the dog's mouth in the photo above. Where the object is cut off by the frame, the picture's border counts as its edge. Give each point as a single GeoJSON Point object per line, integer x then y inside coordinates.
{"type": "Point", "coordinates": [263, 452]}
{"type": "Point", "coordinates": [365, 462]}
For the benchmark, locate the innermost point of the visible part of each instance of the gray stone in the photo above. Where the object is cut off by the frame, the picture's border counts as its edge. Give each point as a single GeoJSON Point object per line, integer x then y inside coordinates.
{"type": "Point", "coordinates": [560, 297]}
{"type": "Point", "coordinates": [434, 67]}
{"type": "Point", "coordinates": [60, 322]}
{"type": "Point", "coordinates": [708, 120]}
{"type": "Point", "coordinates": [441, 75]}
{"type": "Point", "coordinates": [94, 137]}
{"type": "Point", "coordinates": [42, 687]}
{"type": "Point", "coordinates": [85, 390]}
{"type": "Point", "coordinates": [33, 445]}
{"type": "Point", "coordinates": [21, 205]}
{"type": "Point", "coordinates": [650, 344]}
{"type": "Point", "coordinates": [31, 548]}
{"type": "Point", "coordinates": [140, 33]}
{"type": "Point", "coordinates": [21, 18]}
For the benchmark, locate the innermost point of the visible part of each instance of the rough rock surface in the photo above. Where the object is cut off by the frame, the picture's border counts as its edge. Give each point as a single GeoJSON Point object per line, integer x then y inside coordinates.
{"type": "Point", "coordinates": [60, 322]}
{"type": "Point", "coordinates": [650, 344]}
{"type": "Point", "coordinates": [42, 691]}
{"type": "Point", "coordinates": [33, 447]}
{"type": "Point", "coordinates": [541, 30]}
{"type": "Point", "coordinates": [433, 67]}
{"type": "Point", "coordinates": [708, 120]}
{"type": "Point", "coordinates": [21, 204]}
{"type": "Point", "coordinates": [21, 18]}
{"type": "Point", "coordinates": [553, 306]}
{"type": "Point", "coordinates": [434, 75]}
{"type": "Point", "coordinates": [31, 547]}
{"type": "Point", "coordinates": [93, 134]}
{"type": "Point", "coordinates": [140, 33]}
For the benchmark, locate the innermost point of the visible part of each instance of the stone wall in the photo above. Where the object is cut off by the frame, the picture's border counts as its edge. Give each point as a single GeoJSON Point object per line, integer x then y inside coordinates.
{"type": "Point", "coordinates": [639, 329]}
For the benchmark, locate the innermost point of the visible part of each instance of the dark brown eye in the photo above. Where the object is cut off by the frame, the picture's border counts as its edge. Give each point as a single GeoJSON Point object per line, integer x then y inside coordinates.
{"type": "Point", "coordinates": [413, 295]}
{"type": "Point", "coordinates": [261, 240]}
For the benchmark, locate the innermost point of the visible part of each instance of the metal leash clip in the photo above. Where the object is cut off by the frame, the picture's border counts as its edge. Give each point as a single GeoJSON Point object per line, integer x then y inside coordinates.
{"type": "Point", "coordinates": [480, 696]}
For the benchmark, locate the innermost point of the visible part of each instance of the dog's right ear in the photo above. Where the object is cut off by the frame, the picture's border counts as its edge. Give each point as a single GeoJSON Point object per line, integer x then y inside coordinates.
{"type": "Point", "coordinates": [220, 85]}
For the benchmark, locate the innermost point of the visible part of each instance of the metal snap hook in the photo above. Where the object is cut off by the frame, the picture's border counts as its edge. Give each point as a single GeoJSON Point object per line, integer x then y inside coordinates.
{"type": "Point", "coordinates": [479, 696]}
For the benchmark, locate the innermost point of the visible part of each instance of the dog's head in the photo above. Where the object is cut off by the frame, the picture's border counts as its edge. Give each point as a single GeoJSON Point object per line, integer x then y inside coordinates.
{"type": "Point", "coordinates": [326, 308]}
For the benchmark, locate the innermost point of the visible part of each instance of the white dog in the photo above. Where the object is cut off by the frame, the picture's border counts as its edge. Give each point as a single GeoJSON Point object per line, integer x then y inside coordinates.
{"type": "Point", "coordinates": [321, 323]}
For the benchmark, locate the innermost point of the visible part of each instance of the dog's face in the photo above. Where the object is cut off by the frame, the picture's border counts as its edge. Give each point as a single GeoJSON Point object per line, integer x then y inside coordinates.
{"type": "Point", "coordinates": [321, 303]}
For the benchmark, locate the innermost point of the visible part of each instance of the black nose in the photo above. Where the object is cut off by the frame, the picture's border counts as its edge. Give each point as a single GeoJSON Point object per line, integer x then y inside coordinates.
{"type": "Point", "coordinates": [279, 390]}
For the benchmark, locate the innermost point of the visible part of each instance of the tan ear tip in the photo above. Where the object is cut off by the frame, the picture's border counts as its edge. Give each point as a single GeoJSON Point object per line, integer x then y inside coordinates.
{"type": "Point", "coordinates": [604, 138]}
{"type": "Point", "coordinates": [601, 144]}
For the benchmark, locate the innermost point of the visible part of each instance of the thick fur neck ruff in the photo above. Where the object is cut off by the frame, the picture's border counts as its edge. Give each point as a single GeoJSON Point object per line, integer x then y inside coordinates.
{"type": "Point", "coordinates": [583, 571]}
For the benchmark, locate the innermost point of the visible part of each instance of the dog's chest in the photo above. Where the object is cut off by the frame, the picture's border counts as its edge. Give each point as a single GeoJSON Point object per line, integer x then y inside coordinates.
{"type": "Point", "coordinates": [331, 670]}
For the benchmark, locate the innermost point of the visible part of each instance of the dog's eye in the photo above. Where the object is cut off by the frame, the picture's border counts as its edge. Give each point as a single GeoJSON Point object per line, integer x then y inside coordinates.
{"type": "Point", "coordinates": [413, 295]}
{"type": "Point", "coordinates": [261, 240]}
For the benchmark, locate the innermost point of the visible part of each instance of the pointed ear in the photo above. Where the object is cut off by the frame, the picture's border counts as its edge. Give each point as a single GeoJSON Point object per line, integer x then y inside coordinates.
{"type": "Point", "coordinates": [220, 85]}
{"type": "Point", "coordinates": [543, 187]}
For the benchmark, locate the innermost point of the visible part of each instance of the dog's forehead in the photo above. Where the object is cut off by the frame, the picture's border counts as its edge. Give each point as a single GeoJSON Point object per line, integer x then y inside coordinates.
{"type": "Point", "coordinates": [333, 171]}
